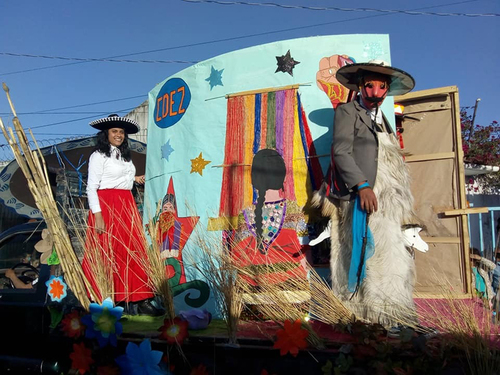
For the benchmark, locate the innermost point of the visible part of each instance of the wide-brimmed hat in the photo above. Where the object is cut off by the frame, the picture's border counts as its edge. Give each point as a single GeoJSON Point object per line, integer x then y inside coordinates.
{"type": "Point", "coordinates": [115, 121]}
{"type": "Point", "coordinates": [350, 75]}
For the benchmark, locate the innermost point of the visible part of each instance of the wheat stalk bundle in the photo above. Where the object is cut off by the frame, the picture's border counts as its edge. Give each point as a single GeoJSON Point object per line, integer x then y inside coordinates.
{"type": "Point", "coordinates": [33, 166]}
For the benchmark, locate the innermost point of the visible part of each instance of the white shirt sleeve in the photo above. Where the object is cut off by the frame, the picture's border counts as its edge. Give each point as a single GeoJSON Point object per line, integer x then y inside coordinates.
{"type": "Point", "coordinates": [95, 172]}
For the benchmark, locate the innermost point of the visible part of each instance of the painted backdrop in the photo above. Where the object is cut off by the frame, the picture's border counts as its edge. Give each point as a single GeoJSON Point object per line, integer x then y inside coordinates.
{"type": "Point", "coordinates": [206, 124]}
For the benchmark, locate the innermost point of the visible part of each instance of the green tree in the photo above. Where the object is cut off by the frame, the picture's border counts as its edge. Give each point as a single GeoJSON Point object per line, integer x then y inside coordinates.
{"type": "Point", "coordinates": [481, 146]}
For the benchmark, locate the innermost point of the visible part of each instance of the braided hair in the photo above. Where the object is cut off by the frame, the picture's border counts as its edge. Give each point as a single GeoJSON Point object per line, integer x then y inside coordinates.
{"type": "Point", "coordinates": [268, 172]}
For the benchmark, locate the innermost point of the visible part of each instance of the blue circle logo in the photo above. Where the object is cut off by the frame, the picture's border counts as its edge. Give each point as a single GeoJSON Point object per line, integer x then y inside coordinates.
{"type": "Point", "coordinates": [171, 103]}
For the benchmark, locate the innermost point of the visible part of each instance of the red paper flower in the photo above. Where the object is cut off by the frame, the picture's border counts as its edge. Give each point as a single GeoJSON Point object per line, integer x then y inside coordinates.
{"type": "Point", "coordinates": [72, 325]}
{"type": "Point", "coordinates": [201, 369]}
{"type": "Point", "coordinates": [108, 370]}
{"type": "Point", "coordinates": [81, 358]}
{"type": "Point", "coordinates": [174, 331]}
{"type": "Point", "coordinates": [291, 338]}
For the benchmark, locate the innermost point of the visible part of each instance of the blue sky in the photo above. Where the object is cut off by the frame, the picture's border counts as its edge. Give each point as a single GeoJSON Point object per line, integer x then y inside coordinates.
{"type": "Point", "coordinates": [54, 101]}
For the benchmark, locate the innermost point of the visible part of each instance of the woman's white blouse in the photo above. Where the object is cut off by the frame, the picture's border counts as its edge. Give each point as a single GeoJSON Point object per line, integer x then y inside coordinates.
{"type": "Point", "coordinates": [108, 173]}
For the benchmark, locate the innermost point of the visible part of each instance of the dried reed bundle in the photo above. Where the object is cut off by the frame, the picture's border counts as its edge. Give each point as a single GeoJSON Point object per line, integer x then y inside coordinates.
{"type": "Point", "coordinates": [155, 267]}
{"type": "Point", "coordinates": [218, 268]}
{"type": "Point", "coordinates": [34, 169]}
{"type": "Point", "coordinates": [264, 291]}
{"type": "Point", "coordinates": [466, 326]}
{"type": "Point", "coordinates": [100, 261]}
{"type": "Point", "coordinates": [325, 306]}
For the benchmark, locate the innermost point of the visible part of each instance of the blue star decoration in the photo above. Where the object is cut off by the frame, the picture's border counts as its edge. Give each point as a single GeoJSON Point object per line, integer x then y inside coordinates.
{"type": "Point", "coordinates": [166, 150]}
{"type": "Point", "coordinates": [286, 63]}
{"type": "Point", "coordinates": [215, 78]}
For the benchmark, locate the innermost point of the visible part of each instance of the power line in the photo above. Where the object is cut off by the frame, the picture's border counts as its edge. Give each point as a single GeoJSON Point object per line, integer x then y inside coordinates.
{"type": "Point", "coordinates": [80, 119]}
{"type": "Point", "coordinates": [234, 38]}
{"type": "Point", "coordinates": [393, 11]}
{"type": "Point", "coordinates": [72, 136]}
{"type": "Point", "coordinates": [97, 59]}
{"type": "Point", "coordinates": [94, 103]}
{"type": "Point", "coordinates": [56, 113]}
{"type": "Point", "coordinates": [194, 45]}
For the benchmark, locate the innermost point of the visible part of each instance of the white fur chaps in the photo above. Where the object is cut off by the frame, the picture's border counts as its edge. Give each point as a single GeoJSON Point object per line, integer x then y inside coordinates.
{"type": "Point", "coordinates": [386, 294]}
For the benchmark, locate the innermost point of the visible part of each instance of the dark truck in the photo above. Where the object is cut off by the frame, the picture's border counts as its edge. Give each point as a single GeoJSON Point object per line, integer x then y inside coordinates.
{"type": "Point", "coordinates": [24, 317]}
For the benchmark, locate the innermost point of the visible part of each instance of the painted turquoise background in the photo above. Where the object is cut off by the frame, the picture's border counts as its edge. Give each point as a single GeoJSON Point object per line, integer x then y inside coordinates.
{"type": "Point", "coordinates": [202, 127]}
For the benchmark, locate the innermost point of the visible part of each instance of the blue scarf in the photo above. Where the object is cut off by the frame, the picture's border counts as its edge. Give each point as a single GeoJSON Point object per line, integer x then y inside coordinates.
{"type": "Point", "coordinates": [361, 233]}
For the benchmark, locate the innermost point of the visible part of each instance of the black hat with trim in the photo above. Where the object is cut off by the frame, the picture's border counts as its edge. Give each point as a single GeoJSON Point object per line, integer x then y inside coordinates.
{"type": "Point", "coordinates": [400, 82]}
{"type": "Point", "coordinates": [115, 121]}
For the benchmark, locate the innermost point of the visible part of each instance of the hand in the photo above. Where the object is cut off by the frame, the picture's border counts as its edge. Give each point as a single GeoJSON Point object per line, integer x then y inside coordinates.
{"type": "Point", "coordinates": [10, 274]}
{"type": "Point", "coordinates": [100, 226]}
{"type": "Point", "coordinates": [368, 200]}
{"type": "Point", "coordinates": [140, 179]}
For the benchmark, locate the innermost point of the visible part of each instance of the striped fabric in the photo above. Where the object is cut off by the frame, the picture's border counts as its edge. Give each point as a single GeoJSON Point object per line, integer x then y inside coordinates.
{"type": "Point", "coordinates": [273, 120]}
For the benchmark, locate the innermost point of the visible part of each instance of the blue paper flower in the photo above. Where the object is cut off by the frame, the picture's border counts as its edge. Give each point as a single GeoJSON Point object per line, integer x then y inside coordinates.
{"type": "Point", "coordinates": [196, 318]}
{"type": "Point", "coordinates": [103, 322]}
{"type": "Point", "coordinates": [140, 360]}
{"type": "Point", "coordinates": [56, 288]}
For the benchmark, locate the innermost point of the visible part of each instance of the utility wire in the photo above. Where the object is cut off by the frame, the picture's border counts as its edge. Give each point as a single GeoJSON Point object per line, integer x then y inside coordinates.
{"type": "Point", "coordinates": [393, 11]}
{"type": "Point", "coordinates": [56, 113]}
{"type": "Point", "coordinates": [79, 119]}
{"type": "Point", "coordinates": [234, 38]}
{"type": "Point", "coordinates": [94, 103]}
{"type": "Point", "coordinates": [97, 59]}
{"type": "Point", "coordinates": [204, 43]}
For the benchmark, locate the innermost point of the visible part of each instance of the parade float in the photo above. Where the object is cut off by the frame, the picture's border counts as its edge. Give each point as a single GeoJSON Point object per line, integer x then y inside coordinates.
{"type": "Point", "coordinates": [229, 229]}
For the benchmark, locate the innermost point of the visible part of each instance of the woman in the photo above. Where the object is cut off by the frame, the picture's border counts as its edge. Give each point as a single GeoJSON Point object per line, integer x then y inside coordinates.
{"type": "Point", "coordinates": [115, 244]}
{"type": "Point", "coordinates": [267, 240]}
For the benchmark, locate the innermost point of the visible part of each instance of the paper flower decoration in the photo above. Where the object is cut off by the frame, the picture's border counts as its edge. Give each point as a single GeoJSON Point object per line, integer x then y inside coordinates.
{"type": "Point", "coordinates": [108, 370]}
{"type": "Point", "coordinates": [140, 359]}
{"type": "Point", "coordinates": [174, 331]}
{"type": "Point", "coordinates": [81, 358]}
{"type": "Point", "coordinates": [291, 338]}
{"type": "Point", "coordinates": [72, 325]}
{"type": "Point", "coordinates": [196, 318]}
{"type": "Point", "coordinates": [201, 369]}
{"type": "Point", "coordinates": [56, 288]}
{"type": "Point", "coordinates": [45, 246]}
{"type": "Point", "coordinates": [103, 322]}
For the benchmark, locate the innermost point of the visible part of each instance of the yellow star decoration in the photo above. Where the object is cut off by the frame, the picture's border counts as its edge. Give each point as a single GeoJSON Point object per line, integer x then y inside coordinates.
{"type": "Point", "coordinates": [198, 164]}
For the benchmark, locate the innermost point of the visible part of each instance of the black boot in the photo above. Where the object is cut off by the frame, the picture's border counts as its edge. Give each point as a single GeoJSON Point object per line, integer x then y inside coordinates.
{"type": "Point", "coordinates": [145, 307]}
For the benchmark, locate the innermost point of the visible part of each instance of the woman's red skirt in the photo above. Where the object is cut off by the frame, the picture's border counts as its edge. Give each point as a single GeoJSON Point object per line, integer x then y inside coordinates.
{"type": "Point", "coordinates": [123, 247]}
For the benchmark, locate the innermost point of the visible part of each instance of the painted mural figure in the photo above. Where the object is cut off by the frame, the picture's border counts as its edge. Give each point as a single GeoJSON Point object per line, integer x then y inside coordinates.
{"type": "Point", "coordinates": [327, 81]}
{"type": "Point", "coordinates": [114, 224]}
{"type": "Point", "coordinates": [370, 199]}
{"type": "Point", "coordinates": [267, 240]}
{"type": "Point", "coordinates": [173, 234]}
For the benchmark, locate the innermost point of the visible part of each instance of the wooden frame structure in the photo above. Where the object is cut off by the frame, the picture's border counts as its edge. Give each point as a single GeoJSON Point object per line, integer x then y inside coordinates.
{"type": "Point", "coordinates": [433, 143]}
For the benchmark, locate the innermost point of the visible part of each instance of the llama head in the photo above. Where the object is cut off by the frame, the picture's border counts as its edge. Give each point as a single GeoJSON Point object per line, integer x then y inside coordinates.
{"type": "Point", "coordinates": [412, 239]}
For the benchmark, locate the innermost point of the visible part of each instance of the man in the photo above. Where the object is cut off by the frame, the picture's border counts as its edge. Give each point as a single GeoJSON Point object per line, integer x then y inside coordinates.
{"type": "Point", "coordinates": [370, 187]}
